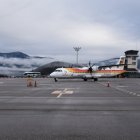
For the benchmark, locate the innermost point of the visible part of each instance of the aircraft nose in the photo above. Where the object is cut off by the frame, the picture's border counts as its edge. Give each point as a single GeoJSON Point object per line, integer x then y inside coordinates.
{"type": "Point", "coordinates": [52, 74]}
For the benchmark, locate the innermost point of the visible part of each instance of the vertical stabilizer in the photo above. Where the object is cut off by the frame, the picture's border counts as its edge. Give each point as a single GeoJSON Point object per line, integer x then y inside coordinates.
{"type": "Point", "coordinates": [121, 60]}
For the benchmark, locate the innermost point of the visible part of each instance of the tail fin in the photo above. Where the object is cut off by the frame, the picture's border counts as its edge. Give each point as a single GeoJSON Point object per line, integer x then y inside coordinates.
{"type": "Point", "coordinates": [121, 60]}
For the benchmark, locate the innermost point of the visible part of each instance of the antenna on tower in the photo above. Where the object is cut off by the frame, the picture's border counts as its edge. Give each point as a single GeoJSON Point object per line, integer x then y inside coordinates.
{"type": "Point", "coordinates": [77, 49]}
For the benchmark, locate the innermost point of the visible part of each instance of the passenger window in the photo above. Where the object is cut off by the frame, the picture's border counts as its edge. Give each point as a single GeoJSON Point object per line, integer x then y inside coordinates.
{"type": "Point", "coordinates": [58, 70]}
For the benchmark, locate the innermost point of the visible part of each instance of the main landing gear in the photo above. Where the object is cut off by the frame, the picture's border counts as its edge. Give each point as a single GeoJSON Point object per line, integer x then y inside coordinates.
{"type": "Point", "coordinates": [95, 79]}
{"type": "Point", "coordinates": [85, 79]}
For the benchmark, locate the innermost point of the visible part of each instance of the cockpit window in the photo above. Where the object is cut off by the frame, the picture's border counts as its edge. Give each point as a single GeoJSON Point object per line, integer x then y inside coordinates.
{"type": "Point", "coordinates": [58, 70]}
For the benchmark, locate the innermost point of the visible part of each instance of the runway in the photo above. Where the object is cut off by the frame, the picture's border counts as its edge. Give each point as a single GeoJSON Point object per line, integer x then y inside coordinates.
{"type": "Point", "coordinates": [70, 109]}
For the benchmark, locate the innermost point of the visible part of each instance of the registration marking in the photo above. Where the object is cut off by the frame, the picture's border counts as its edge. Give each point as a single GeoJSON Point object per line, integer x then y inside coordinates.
{"type": "Point", "coordinates": [61, 92]}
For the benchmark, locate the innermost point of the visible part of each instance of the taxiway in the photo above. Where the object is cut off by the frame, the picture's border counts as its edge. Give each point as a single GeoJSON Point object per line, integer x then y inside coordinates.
{"type": "Point", "coordinates": [70, 109]}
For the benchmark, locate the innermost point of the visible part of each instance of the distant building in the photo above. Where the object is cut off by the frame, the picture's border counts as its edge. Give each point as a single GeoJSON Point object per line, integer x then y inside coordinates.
{"type": "Point", "coordinates": [131, 62]}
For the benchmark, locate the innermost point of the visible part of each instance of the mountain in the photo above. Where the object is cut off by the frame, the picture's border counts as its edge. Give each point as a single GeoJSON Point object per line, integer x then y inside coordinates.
{"type": "Point", "coordinates": [15, 55]}
{"type": "Point", "coordinates": [16, 63]}
{"type": "Point", "coordinates": [48, 68]}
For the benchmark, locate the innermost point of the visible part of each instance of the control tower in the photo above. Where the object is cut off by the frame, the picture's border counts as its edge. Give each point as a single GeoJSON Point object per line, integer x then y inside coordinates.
{"type": "Point", "coordinates": [131, 62]}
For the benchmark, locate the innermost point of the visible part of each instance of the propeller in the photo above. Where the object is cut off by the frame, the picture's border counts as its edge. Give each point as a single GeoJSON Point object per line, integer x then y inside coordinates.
{"type": "Point", "coordinates": [90, 67]}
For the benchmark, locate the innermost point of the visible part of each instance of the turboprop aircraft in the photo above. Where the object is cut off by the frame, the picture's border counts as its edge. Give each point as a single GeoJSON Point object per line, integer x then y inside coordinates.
{"type": "Point", "coordinates": [91, 72]}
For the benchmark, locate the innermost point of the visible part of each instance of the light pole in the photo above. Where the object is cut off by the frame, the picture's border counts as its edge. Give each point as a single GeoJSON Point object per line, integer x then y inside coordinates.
{"type": "Point", "coordinates": [77, 52]}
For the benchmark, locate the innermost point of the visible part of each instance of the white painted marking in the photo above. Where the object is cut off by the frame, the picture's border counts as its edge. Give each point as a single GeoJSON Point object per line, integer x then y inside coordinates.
{"type": "Point", "coordinates": [68, 92]}
{"type": "Point", "coordinates": [56, 92]}
{"type": "Point", "coordinates": [122, 86]}
{"type": "Point", "coordinates": [61, 92]}
{"type": "Point", "coordinates": [124, 90]}
{"type": "Point", "coordinates": [59, 95]}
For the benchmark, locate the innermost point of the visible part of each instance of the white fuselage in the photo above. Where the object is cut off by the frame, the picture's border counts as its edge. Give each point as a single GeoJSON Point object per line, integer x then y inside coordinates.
{"type": "Point", "coordinates": [84, 73]}
{"type": "Point", "coordinates": [65, 73]}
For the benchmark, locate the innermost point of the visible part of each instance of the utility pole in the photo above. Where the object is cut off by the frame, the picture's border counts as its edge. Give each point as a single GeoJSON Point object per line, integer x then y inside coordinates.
{"type": "Point", "coordinates": [77, 53]}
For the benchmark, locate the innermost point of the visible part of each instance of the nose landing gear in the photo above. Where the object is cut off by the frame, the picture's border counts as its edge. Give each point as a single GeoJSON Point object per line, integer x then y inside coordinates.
{"type": "Point", "coordinates": [55, 79]}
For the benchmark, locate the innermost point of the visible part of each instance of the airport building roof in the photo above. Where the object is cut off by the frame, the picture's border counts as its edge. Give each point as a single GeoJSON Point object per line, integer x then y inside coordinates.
{"type": "Point", "coordinates": [131, 52]}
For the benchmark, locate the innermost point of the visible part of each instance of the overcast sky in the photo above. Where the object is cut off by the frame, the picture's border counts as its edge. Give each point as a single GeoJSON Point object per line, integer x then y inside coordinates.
{"type": "Point", "coordinates": [103, 28]}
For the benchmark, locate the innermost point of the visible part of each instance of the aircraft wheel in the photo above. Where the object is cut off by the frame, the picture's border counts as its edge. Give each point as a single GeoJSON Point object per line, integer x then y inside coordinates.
{"type": "Point", "coordinates": [85, 79]}
{"type": "Point", "coordinates": [95, 79]}
{"type": "Point", "coordinates": [55, 79]}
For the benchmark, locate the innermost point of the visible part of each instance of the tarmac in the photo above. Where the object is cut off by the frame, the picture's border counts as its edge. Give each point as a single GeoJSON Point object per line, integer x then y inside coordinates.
{"type": "Point", "coordinates": [70, 109]}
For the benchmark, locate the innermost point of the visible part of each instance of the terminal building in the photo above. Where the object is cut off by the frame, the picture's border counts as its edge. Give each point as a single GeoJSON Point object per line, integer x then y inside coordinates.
{"type": "Point", "coordinates": [128, 62]}
{"type": "Point", "coordinates": [131, 63]}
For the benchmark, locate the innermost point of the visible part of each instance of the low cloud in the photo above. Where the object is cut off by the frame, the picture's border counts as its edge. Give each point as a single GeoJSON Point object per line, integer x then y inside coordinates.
{"type": "Point", "coordinates": [14, 65]}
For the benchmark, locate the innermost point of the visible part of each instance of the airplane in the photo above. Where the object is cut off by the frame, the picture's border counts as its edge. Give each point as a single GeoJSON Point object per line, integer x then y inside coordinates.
{"type": "Point", "coordinates": [91, 72]}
